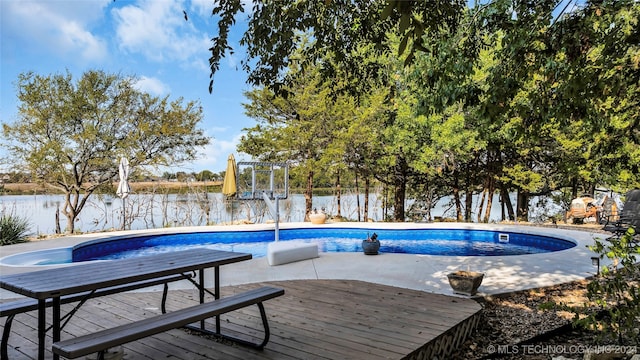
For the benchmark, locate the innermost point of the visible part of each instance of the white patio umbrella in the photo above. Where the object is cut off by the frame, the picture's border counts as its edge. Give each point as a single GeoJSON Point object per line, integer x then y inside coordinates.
{"type": "Point", "coordinates": [123, 186]}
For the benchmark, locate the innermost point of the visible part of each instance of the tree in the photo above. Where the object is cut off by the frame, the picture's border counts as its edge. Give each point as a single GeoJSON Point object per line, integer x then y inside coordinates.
{"type": "Point", "coordinates": [567, 114]}
{"type": "Point", "coordinates": [205, 175]}
{"type": "Point", "coordinates": [339, 27]}
{"type": "Point", "coordinates": [358, 141]}
{"type": "Point", "coordinates": [435, 123]}
{"type": "Point", "coordinates": [602, 82]}
{"type": "Point", "coordinates": [297, 128]}
{"type": "Point", "coordinates": [512, 98]}
{"type": "Point", "coordinates": [71, 135]}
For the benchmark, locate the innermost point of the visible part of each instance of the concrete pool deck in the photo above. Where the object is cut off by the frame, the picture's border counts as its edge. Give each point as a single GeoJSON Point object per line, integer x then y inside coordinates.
{"type": "Point", "coordinates": [428, 273]}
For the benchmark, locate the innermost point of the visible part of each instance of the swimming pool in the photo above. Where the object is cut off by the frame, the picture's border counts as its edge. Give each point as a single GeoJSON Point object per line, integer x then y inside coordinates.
{"type": "Point", "coordinates": [422, 241]}
{"type": "Point", "coordinates": [450, 242]}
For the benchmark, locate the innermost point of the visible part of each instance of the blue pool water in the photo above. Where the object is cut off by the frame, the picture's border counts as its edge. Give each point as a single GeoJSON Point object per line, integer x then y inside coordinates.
{"type": "Point", "coordinates": [450, 242]}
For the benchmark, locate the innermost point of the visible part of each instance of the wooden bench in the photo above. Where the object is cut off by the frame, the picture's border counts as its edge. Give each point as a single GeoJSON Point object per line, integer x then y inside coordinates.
{"type": "Point", "coordinates": [13, 308]}
{"type": "Point", "coordinates": [102, 340]}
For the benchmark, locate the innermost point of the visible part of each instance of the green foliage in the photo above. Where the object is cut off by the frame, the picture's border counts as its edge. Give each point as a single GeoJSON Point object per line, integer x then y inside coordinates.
{"type": "Point", "coordinates": [205, 175]}
{"type": "Point", "coordinates": [13, 229]}
{"type": "Point", "coordinates": [483, 102]}
{"type": "Point", "coordinates": [296, 128]}
{"type": "Point", "coordinates": [339, 29]}
{"type": "Point", "coordinates": [600, 82]}
{"type": "Point", "coordinates": [70, 134]}
{"type": "Point", "coordinates": [616, 293]}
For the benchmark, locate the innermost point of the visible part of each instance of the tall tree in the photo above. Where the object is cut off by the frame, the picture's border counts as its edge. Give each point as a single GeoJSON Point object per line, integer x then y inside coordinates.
{"type": "Point", "coordinates": [443, 88]}
{"type": "Point", "coordinates": [296, 128]}
{"type": "Point", "coordinates": [358, 140]}
{"type": "Point", "coordinates": [601, 53]}
{"type": "Point", "coordinates": [70, 135]}
{"type": "Point", "coordinates": [339, 27]}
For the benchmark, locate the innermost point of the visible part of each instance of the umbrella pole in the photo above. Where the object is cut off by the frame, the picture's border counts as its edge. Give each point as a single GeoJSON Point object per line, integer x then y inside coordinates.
{"type": "Point", "coordinates": [277, 218]}
{"type": "Point", "coordinates": [124, 214]}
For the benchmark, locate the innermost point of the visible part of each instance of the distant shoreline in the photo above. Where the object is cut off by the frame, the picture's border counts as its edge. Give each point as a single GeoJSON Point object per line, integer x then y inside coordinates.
{"type": "Point", "coordinates": [142, 186]}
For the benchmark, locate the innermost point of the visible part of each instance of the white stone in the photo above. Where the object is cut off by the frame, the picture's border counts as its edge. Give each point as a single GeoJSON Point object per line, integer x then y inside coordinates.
{"type": "Point", "coordinates": [283, 252]}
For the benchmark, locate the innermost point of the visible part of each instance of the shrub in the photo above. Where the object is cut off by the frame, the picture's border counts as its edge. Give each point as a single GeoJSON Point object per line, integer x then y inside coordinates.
{"type": "Point", "coordinates": [614, 294]}
{"type": "Point", "coordinates": [13, 229]}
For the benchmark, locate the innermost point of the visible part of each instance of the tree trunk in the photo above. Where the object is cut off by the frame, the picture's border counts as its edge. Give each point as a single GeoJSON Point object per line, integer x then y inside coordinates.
{"type": "Point", "coordinates": [385, 202]}
{"type": "Point", "coordinates": [456, 196]}
{"type": "Point", "coordinates": [357, 197]}
{"type": "Point", "coordinates": [70, 229]}
{"type": "Point", "coordinates": [491, 190]}
{"type": "Point", "coordinates": [366, 199]}
{"type": "Point", "coordinates": [308, 195]}
{"type": "Point", "coordinates": [74, 202]}
{"type": "Point", "coordinates": [481, 204]}
{"type": "Point", "coordinates": [523, 205]}
{"type": "Point", "coordinates": [58, 231]}
{"type": "Point", "coordinates": [468, 200]}
{"type": "Point", "coordinates": [338, 195]}
{"type": "Point", "coordinates": [68, 210]}
{"type": "Point", "coordinates": [400, 181]}
{"type": "Point", "coordinates": [468, 205]}
{"type": "Point", "coordinates": [507, 202]}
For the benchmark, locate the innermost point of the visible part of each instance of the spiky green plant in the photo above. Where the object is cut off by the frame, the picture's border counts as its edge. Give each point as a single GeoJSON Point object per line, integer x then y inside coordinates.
{"type": "Point", "coordinates": [13, 229]}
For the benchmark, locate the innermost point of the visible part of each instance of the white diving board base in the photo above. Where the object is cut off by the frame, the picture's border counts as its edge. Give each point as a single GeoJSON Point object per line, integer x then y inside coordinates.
{"type": "Point", "coordinates": [283, 252]}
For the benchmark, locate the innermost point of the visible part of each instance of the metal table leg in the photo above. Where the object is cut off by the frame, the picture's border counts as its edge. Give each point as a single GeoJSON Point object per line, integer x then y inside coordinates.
{"type": "Point", "coordinates": [216, 288]}
{"type": "Point", "coordinates": [42, 327]}
{"type": "Point", "coordinates": [56, 323]}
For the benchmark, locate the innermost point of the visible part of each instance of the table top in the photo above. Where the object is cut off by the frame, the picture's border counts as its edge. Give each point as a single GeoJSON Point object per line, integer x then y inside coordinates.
{"type": "Point", "coordinates": [43, 284]}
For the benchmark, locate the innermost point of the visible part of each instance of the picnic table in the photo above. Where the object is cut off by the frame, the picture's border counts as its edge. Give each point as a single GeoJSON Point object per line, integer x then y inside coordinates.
{"type": "Point", "coordinates": [50, 285]}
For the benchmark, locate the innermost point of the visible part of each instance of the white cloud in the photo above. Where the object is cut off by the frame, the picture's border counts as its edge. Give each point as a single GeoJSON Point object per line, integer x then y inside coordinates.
{"type": "Point", "coordinates": [158, 30]}
{"type": "Point", "coordinates": [75, 38]}
{"type": "Point", "coordinates": [202, 7]}
{"type": "Point", "coordinates": [214, 156]}
{"type": "Point", "coordinates": [152, 86]}
{"type": "Point", "coordinates": [61, 27]}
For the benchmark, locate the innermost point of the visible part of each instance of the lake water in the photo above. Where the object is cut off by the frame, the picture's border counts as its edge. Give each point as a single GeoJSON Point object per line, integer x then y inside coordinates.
{"type": "Point", "coordinates": [157, 211]}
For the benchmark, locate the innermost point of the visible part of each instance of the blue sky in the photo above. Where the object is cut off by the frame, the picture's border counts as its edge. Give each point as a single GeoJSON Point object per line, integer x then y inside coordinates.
{"type": "Point", "coordinates": [149, 39]}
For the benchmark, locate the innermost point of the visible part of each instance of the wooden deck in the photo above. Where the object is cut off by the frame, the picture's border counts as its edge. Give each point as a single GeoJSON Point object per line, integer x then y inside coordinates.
{"type": "Point", "coordinates": [315, 319]}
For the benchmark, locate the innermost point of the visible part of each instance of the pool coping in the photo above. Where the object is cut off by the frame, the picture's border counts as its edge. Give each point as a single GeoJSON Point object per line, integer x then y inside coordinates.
{"type": "Point", "coordinates": [503, 274]}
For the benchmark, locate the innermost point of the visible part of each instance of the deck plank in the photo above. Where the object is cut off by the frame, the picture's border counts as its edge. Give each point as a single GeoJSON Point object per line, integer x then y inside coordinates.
{"type": "Point", "coordinates": [315, 319]}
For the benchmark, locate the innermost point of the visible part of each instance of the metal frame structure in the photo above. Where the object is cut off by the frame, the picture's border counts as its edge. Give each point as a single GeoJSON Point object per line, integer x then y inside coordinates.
{"type": "Point", "coordinates": [258, 167]}
{"type": "Point", "coordinates": [268, 195]}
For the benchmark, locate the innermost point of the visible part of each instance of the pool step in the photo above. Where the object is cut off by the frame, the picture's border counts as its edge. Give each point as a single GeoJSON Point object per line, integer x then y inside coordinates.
{"type": "Point", "coordinates": [284, 252]}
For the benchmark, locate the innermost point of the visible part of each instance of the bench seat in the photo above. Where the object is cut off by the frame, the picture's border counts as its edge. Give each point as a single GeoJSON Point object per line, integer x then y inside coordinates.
{"type": "Point", "coordinates": [102, 340]}
{"type": "Point", "coordinates": [13, 308]}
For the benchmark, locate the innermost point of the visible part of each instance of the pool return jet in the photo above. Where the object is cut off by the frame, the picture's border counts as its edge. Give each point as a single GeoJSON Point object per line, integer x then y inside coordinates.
{"type": "Point", "coordinates": [277, 252]}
